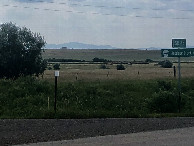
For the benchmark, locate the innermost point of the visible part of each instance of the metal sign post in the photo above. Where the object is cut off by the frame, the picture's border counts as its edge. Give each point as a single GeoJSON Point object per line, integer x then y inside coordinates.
{"type": "Point", "coordinates": [55, 101]}
{"type": "Point", "coordinates": [180, 52]}
{"type": "Point", "coordinates": [179, 84]}
{"type": "Point", "coordinates": [180, 43]}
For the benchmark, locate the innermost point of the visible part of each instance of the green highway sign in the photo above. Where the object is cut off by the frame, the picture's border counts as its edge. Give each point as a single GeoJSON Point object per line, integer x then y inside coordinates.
{"type": "Point", "coordinates": [179, 43]}
{"type": "Point", "coordinates": [177, 52]}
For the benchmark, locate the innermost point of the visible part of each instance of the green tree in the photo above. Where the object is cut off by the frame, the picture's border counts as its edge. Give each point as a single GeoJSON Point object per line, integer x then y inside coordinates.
{"type": "Point", "coordinates": [20, 52]}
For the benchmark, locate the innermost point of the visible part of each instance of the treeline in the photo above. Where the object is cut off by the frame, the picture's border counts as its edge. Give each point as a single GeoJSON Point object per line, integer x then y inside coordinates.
{"type": "Point", "coordinates": [64, 60]}
{"type": "Point", "coordinates": [77, 60]}
{"type": "Point", "coordinates": [100, 60]}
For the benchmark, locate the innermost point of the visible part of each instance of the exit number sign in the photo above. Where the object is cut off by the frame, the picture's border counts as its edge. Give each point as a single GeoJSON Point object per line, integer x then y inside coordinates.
{"type": "Point", "coordinates": [179, 43]}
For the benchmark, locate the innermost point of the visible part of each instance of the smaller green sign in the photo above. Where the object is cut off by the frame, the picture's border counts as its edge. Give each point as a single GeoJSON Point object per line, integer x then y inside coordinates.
{"type": "Point", "coordinates": [177, 52]}
{"type": "Point", "coordinates": [179, 43]}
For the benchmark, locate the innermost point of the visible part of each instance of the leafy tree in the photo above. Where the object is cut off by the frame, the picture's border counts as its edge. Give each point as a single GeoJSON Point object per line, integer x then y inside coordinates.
{"type": "Point", "coordinates": [20, 52]}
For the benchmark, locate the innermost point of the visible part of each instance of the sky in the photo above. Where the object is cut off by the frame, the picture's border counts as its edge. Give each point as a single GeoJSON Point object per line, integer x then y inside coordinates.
{"type": "Point", "coordinates": [119, 23]}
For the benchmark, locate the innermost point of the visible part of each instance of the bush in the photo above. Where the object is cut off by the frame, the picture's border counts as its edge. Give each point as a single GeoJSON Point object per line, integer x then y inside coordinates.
{"type": "Point", "coordinates": [165, 99]}
{"type": "Point", "coordinates": [164, 102]}
{"type": "Point", "coordinates": [120, 67]}
{"type": "Point", "coordinates": [166, 64]}
{"type": "Point", "coordinates": [56, 66]}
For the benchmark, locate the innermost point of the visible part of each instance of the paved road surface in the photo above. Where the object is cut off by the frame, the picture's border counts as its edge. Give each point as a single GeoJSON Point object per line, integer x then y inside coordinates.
{"type": "Point", "coordinates": [174, 137]}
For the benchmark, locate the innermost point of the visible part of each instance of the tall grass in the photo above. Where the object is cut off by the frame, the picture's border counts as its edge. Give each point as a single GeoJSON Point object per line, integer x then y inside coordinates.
{"type": "Point", "coordinates": [28, 98]}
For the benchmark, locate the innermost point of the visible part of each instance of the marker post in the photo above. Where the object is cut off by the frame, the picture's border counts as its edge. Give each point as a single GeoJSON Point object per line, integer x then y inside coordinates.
{"type": "Point", "coordinates": [55, 100]}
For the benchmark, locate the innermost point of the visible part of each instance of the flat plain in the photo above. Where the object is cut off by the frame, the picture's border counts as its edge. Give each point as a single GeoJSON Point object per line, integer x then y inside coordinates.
{"type": "Point", "coordinates": [109, 54]}
{"type": "Point", "coordinates": [92, 72]}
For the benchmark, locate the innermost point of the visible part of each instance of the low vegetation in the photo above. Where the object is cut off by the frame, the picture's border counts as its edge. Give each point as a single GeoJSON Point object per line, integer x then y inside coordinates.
{"type": "Point", "coordinates": [56, 66]}
{"type": "Point", "coordinates": [166, 64]}
{"type": "Point", "coordinates": [120, 67]}
{"type": "Point", "coordinates": [28, 97]}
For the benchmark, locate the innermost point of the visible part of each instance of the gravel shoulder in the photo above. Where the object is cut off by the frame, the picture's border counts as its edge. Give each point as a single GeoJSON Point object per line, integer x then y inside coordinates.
{"type": "Point", "coordinates": [41, 130]}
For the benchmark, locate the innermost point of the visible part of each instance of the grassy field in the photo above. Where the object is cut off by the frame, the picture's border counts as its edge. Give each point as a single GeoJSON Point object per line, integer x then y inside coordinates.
{"type": "Point", "coordinates": [86, 91]}
{"type": "Point", "coordinates": [92, 72]}
{"type": "Point", "coordinates": [34, 98]}
{"type": "Point", "coordinates": [109, 54]}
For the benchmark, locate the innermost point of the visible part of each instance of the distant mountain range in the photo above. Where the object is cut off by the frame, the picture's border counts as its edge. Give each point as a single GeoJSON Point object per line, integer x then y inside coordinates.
{"type": "Point", "coordinates": [77, 45]}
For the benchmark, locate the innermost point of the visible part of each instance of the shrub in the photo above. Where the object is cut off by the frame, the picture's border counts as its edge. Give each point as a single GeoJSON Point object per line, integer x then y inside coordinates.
{"type": "Point", "coordinates": [164, 102]}
{"type": "Point", "coordinates": [166, 64]}
{"type": "Point", "coordinates": [56, 66]}
{"type": "Point", "coordinates": [120, 67]}
{"type": "Point", "coordinates": [165, 99]}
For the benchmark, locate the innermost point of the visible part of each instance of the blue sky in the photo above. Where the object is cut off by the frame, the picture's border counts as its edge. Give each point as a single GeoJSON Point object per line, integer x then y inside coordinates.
{"type": "Point", "coordinates": [120, 23]}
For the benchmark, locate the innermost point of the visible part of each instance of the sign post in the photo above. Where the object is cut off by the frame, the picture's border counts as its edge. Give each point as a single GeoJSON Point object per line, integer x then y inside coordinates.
{"type": "Point", "coordinates": [179, 84]}
{"type": "Point", "coordinates": [179, 43]}
{"type": "Point", "coordinates": [180, 52]}
{"type": "Point", "coordinates": [55, 101]}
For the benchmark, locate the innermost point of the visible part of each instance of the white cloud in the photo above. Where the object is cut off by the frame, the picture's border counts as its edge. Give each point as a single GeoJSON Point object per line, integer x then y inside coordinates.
{"type": "Point", "coordinates": [121, 23]}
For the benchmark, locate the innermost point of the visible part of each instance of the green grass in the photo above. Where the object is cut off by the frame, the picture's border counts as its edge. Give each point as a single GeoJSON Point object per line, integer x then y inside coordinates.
{"type": "Point", "coordinates": [28, 98]}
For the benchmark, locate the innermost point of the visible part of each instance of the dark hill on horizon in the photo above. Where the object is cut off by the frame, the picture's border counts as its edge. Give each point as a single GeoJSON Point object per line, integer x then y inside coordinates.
{"type": "Point", "coordinates": [78, 45]}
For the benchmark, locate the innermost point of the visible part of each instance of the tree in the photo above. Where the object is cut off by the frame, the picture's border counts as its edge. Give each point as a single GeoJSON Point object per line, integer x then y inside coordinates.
{"type": "Point", "coordinates": [20, 52]}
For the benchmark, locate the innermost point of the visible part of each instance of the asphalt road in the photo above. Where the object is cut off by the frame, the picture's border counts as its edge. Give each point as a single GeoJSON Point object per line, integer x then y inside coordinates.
{"type": "Point", "coordinates": [24, 131]}
{"type": "Point", "coordinates": [175, 137]}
